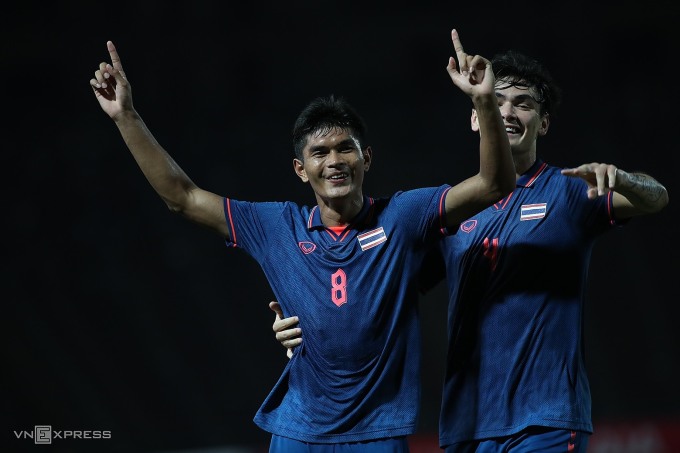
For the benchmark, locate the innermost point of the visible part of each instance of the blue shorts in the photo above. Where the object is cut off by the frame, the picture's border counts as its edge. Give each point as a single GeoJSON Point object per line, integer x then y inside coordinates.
{"type": "Point", "coordinates": [281, 444]}
{"type": "Point", "coordinates": [532, 439]}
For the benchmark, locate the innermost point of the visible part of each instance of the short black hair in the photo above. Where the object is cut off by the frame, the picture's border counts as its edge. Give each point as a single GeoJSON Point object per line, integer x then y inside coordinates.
{"type": "Point", "coordinates": [324, 114]}
{"type": "Point", "coordinates": [520, 70]}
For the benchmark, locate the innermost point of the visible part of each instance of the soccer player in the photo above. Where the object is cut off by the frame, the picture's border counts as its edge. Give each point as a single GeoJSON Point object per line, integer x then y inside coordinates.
{"type": "Point", "coordinates": [348, 267]}
{"type": "Point", "coordinates": [516, 376]}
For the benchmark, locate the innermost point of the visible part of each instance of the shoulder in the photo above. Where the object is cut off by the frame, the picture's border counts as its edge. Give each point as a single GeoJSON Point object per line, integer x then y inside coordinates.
{"type": "Point", "coordinates": [267, 207]}
{"type": "Point", "coordinates": [553, 175]}
{"type": "Point", "coordinates": [421, 193]}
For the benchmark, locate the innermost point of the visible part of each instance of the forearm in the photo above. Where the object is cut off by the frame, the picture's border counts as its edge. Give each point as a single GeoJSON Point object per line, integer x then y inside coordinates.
{"type": "Point", "coordinates": [163, 173]}
{"type": "Point", "coordinates": [645, 193]}
{"type": "Point", "coordinates": [496, 166]}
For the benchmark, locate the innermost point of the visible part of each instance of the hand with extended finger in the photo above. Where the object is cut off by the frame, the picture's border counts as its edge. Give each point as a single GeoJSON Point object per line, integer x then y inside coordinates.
{"type": "Point", "coordinates": [601, 178]}
{"type": "Point", "coordinates": [472, 74]}
{"type": "Point", "coordinates": [110, 85]}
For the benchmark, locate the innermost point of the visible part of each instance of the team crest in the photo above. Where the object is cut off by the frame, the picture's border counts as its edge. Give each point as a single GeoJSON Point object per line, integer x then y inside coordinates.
{"type": "Point", "coordinates": [307, 247]}
{"type": "Point", "coordinates": [468, 226]}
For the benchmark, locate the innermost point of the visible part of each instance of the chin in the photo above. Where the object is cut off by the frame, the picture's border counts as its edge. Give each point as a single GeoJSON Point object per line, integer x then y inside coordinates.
{"type": "Point", "coordinates": [340, 192]}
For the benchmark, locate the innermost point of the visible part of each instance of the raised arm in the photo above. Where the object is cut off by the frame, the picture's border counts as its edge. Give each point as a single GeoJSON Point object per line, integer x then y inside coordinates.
{"type": "Point", "coordinates": [634, 193]}
{"type": "Point", "coordinates": [496, 177]}
{"type": "Point", "coordinates": [114, 93]}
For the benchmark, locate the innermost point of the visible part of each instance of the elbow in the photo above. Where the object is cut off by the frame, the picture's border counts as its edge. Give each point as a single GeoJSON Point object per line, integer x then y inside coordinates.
{"type": "Point", "coordinates": [664, 199]}
{"type": "Point", "coordinates": [507, 187]}
{"type": "Point", "coordinates": [175, 209]}
{"type": "Point", "coordinates": [661, 203]}
{"type": "Point", "coordinates": [498, 192]}
{"type": "Point", "coordinates": [503, 188]}
{"type": "Point", "coordinates": [499, 183]}
{"type": "Point", "coordinates": [173, 206]}
{"type": "Point", "coordinates": [181, 200]}
{"type": "Point", "coordinates": [657, 202]}
{"type": "Point", "coordinates": [497, 188]}
{"type": "Point", "coordinates": [651, 205]}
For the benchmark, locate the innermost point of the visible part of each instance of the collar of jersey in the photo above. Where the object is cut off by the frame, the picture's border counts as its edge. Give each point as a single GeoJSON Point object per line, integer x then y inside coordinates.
{"type": "Point", "coordinates": [531, 175]}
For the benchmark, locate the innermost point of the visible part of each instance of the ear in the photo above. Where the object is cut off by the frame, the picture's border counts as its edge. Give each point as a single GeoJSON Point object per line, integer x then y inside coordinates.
{"type": "Point", "coordinates": [474, 121]}
{"type": "Point", "coordinates": [545, 123]}
{"type": "Point", "coordinates": [299, 168]}
{"type": "Point", "coordinates": [368, 157]}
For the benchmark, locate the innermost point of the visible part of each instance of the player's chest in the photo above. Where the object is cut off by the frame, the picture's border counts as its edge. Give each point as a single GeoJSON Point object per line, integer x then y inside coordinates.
{"type": "Point", "coordinates": [325, 246]}
{"type": "Point", "coordinates": [527, 217]}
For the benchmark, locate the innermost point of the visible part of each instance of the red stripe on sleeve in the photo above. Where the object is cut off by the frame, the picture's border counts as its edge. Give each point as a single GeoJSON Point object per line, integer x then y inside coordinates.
{"type": "Point", "coordinates": [442, 199]}
{"type": "Point", "coordinates": [227, 203]}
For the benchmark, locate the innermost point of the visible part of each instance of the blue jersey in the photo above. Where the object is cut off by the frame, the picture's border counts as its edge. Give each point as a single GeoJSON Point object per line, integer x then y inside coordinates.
{"type": "Point", "coordinates": [356, 375]}
{"type": "Point", "coordinates": [517, 278]}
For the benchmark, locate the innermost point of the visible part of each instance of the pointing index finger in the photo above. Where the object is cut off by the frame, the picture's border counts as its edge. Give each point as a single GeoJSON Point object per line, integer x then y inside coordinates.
{"type": "Point", "coordinates": [457, 45]}
{"type": "Point", "coordinates": [460, 53]}
{"type": "Point", "coordinates": [115, 59]}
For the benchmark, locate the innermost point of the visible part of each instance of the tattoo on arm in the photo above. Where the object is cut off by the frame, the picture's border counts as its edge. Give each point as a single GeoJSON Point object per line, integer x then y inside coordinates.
{"type": "Point", "coordinates": [642, 190]}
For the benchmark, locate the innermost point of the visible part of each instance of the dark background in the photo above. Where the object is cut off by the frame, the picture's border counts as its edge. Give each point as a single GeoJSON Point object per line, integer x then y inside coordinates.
{"type": "Point", "coordinates": [123, 317]}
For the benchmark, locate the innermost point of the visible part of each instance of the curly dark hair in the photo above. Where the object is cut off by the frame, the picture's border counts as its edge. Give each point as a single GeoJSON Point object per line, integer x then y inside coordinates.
{"type": "Point", "coordinates": [522, 71]}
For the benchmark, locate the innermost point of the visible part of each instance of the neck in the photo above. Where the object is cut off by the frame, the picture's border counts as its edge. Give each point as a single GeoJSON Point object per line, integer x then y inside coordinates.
{"type": "Point", "coordinates": [338, 212]}
{"type": "Point", "coordinates": [523, 161]}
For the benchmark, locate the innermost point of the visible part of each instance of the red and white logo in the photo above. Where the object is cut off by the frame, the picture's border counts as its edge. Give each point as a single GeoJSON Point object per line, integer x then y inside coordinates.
{"type": "Point", "coordinates": [307, 247]}
{"type": "Point", "coordinates": [468, 226]}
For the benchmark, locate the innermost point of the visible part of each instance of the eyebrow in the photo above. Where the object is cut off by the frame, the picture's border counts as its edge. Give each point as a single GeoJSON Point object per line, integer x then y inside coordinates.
{"type": "Point", "coordinates": [519, 97]}
{"type": "Point", "coordinates": [344, 143]}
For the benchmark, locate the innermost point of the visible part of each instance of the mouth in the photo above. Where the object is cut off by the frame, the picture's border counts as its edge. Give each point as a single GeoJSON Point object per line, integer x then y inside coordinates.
{"type": "Point", "coordinates": [337, 178]}
{"type": "Point", "coordinates": [512, 130]}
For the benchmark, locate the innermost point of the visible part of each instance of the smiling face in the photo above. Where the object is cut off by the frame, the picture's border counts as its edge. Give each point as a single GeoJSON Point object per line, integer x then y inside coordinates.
{"type": "Point", "coordinates": [523, 120]}
{"type": "Point", "coordinates": [334, 165]}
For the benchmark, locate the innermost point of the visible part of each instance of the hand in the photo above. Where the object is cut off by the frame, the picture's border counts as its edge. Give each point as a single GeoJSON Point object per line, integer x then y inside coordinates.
{"type": "Point", "coordinates": [110, 85]}
{"type": "Point", "coordinates": [473, 74]}
{"type": "Point", "coordinates": [286, 334]}
{"type": "Point", "coordinates": [601, 178]}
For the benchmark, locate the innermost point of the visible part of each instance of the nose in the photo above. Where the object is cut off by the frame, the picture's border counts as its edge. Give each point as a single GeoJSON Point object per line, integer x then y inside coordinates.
{"type": "Point", "coordinates": [334, 158]}
{"type": "Point", "coordinates": [507, 110]}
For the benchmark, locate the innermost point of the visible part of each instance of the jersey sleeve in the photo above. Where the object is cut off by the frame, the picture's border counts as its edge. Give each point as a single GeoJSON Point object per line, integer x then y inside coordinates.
{"type": "Point", "coordinates": [250, 224]}
{"type": "Point", "coordinates": [424, 211]}
{"type": "Point", "coordinates": [596, 215]}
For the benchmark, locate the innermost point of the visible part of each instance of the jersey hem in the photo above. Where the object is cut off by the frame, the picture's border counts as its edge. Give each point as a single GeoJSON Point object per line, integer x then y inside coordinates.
{"type": "Point", "coordinates": [492, 433]}
{"type": "Point", "coordinates": [338, 438]}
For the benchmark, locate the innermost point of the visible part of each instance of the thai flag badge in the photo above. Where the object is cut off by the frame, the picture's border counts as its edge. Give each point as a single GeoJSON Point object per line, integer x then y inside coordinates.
{"type": "Point", "coordinates": [372, 238]}
{"type": "Point", "coordinates": [533, 211]}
